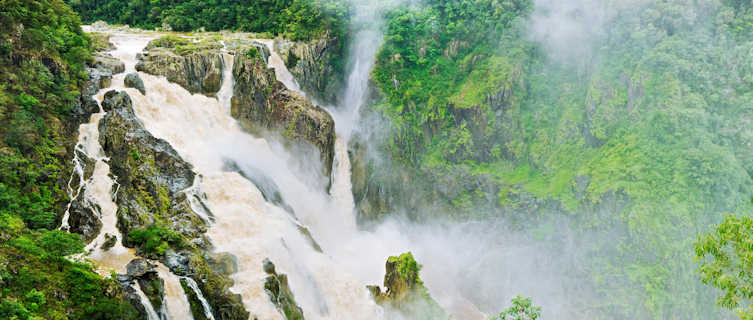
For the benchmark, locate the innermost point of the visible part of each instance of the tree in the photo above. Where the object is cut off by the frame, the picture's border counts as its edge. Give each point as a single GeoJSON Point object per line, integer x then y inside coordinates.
{"type": "Point", "coordinates": [522, 309]}
{"type": "Point", "coordinates": [725, 258]}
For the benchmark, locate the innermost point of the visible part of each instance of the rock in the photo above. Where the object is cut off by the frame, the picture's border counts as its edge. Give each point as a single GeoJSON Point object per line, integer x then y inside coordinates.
{"type": "Point", "coordinates": [143, 272]}
{"type": "Point", "coordinates": [151, 174]}
{"type": "Point", "coordinates": [405, 290]}
{"type": "Point", "coordinates": [83, 218]}
{"type": "Point", "coordinates": [108, 62]}
{"type": "Point", "coordinates": [177, 262]}
{"type": "Point", "coordinates": [197, 72]}
{"type": "Point", "coordinates": [313, 66]}
{"type": "Point", "coordinates": [132, 80]}
{"type": "Point", "coordinates": [139, 267]}
{"type": "Point", "coordinates": [276, 286]}
{"type": "Point", "coordinates": [110, 241]}
{"type": "Point", "coordinates": [260, 103]}
{"type": "Point", "coordinates": [269, 267]}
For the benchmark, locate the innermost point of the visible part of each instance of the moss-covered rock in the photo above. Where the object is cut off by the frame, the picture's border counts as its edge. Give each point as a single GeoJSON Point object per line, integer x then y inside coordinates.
{"type": "Point", "coordinates": [276, 286]}
{"type": "Point", "coordinates": [405, 292]}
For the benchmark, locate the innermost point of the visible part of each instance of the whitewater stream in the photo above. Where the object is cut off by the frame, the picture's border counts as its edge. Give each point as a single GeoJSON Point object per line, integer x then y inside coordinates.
{"type": "Point", "coordinates": [327, 284]}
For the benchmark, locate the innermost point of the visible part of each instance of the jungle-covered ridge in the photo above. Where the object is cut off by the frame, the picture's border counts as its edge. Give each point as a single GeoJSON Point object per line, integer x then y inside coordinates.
{"type": "Point", "coordinates": [630, 124]}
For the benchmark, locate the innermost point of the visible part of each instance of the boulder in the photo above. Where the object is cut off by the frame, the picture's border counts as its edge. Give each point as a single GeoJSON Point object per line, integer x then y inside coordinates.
{"type": "Point", "coordinates": [132, 80]}
{"type": "Point", "coordinates": [260, 103]}
{"type": "Point", "coordinates": [110, 241]}
{"type": "Point", "coordinates": [137, 268]}
{"type": "Point", "coordinates": [107, 62]}
{"type": "Point", "coordinates": [83, 218]}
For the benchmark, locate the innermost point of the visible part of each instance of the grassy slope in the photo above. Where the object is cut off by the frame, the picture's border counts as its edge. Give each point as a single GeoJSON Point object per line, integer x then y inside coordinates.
{"type": "Point", "coordinates": [656, 113]}
{"type": "Point", "coordinates": [42, 57]}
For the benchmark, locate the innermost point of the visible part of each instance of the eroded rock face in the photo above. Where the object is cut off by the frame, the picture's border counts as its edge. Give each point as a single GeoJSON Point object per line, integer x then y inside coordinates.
{"type": "Point", "coordinates": [313, 66]}
{"type": "Point", "coordinates": [197, 72]}
{"type": "Point", "coordinates": [405, 292]}
{"type": "Point", "coordinates": [261, 103]}
{"type": "Point", "coordinates": [84, 218]}
{"type": "Point", "coordinates": [276, 286]}
{"type": "Point", "coordinates": [151, 174]}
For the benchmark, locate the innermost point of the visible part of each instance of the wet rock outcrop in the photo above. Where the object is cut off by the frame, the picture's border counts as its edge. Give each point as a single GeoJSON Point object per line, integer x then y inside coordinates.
{"type": "Point", "coordinates": [154, 213]}
{"type": "Point", "coordinates": [314, 65]}
{"type": "Point", "coordinates": [198, 70]}
{"type": "Point", "coordinates": [146, 276]}
{"type": "Point", "coordinates": [405, 292]}
{"type": "Point", "coordinates": [84, 218]}
{"type": "Point", "coordinates": [132, 80]}
{"type": "Point", "coordinates": [260, 102]}
{"type": "Point", "coordinates": [276, 286]}
{"type": "Point", "coordinates": [151, 175]}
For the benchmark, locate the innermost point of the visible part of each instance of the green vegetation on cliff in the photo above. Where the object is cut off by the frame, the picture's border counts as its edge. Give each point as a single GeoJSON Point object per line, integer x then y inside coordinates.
{"type": "Point", "coordinates": [296, 19]}
{"type": "Point", "coordinates": [42, 57]}
{"type": "Point", "coordinates": [637, 132]}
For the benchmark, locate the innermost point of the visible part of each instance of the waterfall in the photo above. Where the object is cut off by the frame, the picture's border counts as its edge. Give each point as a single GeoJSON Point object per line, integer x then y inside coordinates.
{"type": "Point", "coordinates": [175, 303]}
{"type": "Point", "coordinates": [195, 287]}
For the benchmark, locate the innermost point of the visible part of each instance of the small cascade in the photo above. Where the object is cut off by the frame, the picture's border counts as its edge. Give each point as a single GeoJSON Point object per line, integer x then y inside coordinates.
{"type": "Point", "coordinates": [275, 62]}
{"type": "Point", "coordinates": [195, 287]}
{"type": "Point", "coordinates": [175, 303]}
{"type": "Point", "coordinates": [150, 313]}
{"type": "Point", "coordinates": [78, 171]}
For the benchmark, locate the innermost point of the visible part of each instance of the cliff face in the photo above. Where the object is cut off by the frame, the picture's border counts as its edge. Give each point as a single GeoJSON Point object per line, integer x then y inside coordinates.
{"type": "Point", "coordinates": [260, 103]}
{"type": "Point", "coordinates": [314, 65]}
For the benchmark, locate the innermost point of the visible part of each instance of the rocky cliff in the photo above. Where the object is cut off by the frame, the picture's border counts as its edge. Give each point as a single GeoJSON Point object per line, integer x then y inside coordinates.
{"type": "Point", "coordinates": [154, 213]}
{"type": "Point", "coordinates": [316, 65]}
{"type": "Point", "coordinates": [260, 102]}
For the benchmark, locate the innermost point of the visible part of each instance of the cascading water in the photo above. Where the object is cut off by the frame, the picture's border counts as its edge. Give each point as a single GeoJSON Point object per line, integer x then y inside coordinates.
{"type": "Point", "coordinates": [204, 304]}
{"type": "Point", "coordinates": [99, 196]}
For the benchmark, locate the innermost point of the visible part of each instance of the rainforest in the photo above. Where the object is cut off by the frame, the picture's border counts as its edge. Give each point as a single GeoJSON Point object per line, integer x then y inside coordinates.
{"type": "Point", "coordinates": [355, 159]}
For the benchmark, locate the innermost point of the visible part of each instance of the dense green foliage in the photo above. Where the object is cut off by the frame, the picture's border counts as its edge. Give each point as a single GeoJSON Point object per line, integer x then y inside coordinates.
{"type": "Point", "coordinates": [155, 239]}
{"type": "Point", "coordinates": [42, 56]}
{"type": "Point", "coordinates": [521, 309]}
{"type": "Point", "coordinates": [726, 257]}
{"type": "Point", "coordinates": [640, 139]}
{"type": "Point", "coordinates": [297, 19]}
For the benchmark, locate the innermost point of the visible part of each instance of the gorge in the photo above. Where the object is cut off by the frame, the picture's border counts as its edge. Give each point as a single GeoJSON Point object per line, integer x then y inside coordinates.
{"type": "Point", "coordinates": [347, 159]}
